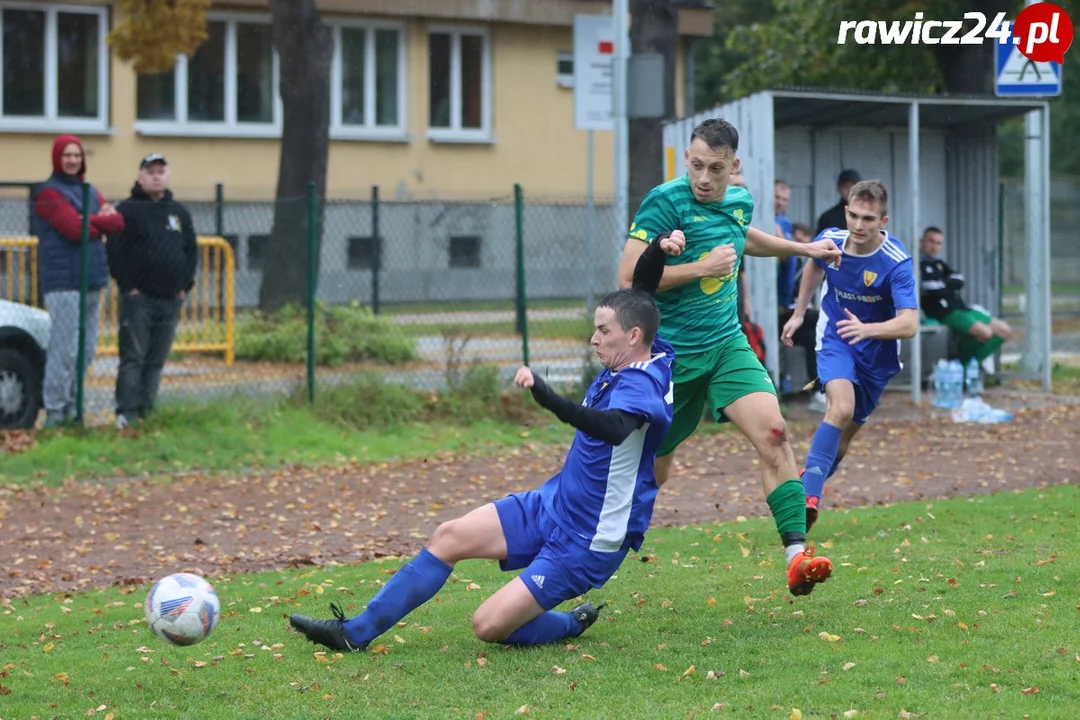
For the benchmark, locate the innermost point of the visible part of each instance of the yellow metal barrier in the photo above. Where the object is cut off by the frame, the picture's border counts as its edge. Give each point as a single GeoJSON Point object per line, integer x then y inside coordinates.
{"type": "Point", "coordinates": [207, 319]}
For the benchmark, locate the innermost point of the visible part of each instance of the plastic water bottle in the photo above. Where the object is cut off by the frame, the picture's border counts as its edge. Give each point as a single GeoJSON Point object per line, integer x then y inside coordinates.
{"type": "Point", "coordinates": [972, 379]}
{"type": "Point", "coordinates": [939, 377]}
{"type": "Point", "coordinates": [956, 383]}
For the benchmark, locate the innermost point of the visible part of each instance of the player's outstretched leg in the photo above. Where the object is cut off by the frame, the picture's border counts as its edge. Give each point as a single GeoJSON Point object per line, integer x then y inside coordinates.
{"type": "Point", "coordinates": [476, 535]}
{"type": "Point", "coordinates": [758, 416]}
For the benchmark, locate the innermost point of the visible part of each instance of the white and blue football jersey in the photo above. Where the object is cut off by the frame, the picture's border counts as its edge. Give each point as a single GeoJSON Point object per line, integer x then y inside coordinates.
{"type": "Point", "coordinates": [873, 288]}
{"type": "Point", "coordinates": [604, 494]}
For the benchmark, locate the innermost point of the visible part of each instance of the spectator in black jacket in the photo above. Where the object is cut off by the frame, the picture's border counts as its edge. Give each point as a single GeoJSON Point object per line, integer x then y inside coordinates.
{"type": "Point", "coordinates": [153, 262]}
{"type": "Point", "coordinates": [940, 300]}
{"type": "Point", "coordinates": [836, 216]}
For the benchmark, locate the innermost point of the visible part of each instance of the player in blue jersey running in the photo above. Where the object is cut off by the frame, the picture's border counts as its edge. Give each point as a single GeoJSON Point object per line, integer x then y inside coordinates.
{"type": "Point", "coordinates": [869, 306]}
{"type": "Point", "coordinates": [571, 534]}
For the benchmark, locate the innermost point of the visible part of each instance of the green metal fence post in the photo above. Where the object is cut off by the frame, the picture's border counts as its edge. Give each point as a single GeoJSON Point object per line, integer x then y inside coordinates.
{"type": "Point", "coordinates": [1001, 250]}
{"type": "Point", "coordinates": [376, 238]}
{"type": "Point", "coordinates": [84, 290]}
{"type": "Point", "coordinates": [522, 319]}
{"type": "Point", "coordinates": [219, 209]}
{"type": "Point", "coordinates": [311, 292]}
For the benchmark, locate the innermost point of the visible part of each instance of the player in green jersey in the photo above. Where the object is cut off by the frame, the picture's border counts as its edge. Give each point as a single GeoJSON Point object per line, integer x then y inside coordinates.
{"type": "Point", "coordinates": [698, 301]}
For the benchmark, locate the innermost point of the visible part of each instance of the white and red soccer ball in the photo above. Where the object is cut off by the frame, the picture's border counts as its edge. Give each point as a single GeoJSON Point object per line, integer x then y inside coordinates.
{"type": "Point", "coordinates": [182, 609]}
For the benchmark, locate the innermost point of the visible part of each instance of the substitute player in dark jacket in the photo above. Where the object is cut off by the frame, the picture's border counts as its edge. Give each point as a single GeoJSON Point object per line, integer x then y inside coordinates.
{"type": "Point", "coordinates": [940, 299]}
{"type": "Point", "coordinates": [153, 262]}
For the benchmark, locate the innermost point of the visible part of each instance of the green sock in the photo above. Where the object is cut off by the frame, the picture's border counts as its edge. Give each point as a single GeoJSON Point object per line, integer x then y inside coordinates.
{"type": "Point", "coordinates": [788, 505]}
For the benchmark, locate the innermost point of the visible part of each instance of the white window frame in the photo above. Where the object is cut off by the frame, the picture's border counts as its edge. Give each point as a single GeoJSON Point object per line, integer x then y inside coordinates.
{"type": "Point", "coordinates": [369, 130]}
{"type": "Point", "coordinates": [564, 80]}
{"type": "Point", "coordinates": [51, 121]}
{"type": "Point", "coordinates": [456, 133]}
{"type": "Point", "coordinates": [230, 127]}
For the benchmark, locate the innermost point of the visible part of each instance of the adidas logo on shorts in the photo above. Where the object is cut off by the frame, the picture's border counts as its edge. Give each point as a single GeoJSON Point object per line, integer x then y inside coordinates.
{"type": "Point", "coordinates": [539, 580]}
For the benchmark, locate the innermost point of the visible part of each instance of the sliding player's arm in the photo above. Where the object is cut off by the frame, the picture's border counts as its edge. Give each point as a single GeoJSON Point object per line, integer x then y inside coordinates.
{"type": "Point", "coordinates": [610, 426]}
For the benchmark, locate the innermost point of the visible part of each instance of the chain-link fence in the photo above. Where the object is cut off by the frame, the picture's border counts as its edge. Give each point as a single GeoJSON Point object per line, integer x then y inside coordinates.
{"type": "Point", "coordinates": [415, 293]}
{"type": "Point", "coordinates": [1064, 268]}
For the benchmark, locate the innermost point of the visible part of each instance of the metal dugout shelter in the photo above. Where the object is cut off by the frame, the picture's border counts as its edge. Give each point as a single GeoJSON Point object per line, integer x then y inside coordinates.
{"type": "Point", "coordinates": [937, 156]}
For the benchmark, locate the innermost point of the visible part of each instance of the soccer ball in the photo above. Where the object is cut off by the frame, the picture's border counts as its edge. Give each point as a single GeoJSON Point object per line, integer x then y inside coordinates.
{"type": "Point", "coordinates": [182, 609]}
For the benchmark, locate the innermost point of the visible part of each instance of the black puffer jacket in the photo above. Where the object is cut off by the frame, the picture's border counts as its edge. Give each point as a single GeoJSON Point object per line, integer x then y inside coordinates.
{"type": "Point", "coordinates": [157, 253]}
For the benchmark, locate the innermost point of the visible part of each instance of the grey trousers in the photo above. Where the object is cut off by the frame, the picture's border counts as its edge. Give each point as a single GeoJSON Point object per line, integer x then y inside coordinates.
{"type": "Point", "coordinates": [147, 329]}
{"type": "Point", "coordinates": [63, 353]}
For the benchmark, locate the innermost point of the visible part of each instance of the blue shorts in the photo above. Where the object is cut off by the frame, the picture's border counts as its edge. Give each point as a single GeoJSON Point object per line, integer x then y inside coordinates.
{"type": "Point", "coordinates": [556, 567]}
{"type": "Point", "coordinates": [835, 362]}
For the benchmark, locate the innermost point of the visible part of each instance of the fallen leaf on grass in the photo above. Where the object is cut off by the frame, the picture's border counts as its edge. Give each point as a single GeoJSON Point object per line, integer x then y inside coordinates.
{"type": "Point", "coordinates": [932, 659]}
{"type": "Point", "coordinates": [380, 649]}
{"type": "Point", "coordinates": [711, 601]}
{"type": "Point", "coordinates": [848, 666]}
{"type": "Point", "coordinates": [796, 714]}
{"type": "Point", "coordinates": [587, 656]}
{"type": "Point", "coordinates": [523, 710]}
{"type": "Point", "coordinates": [851, 713]}
{"type": "Point", "coordinates": [1029, 690]}
{"type": "Point", "coordinates": [828, 638]}
{"type": "Point", "coordinates": [688, 672]}
{"type": "Point", "coordinates": [558, 670]}
{"type": "Point", "coordinates": [718, 707]}
{"type": "Point", "coordinates": [994, 688]}
{"type": "Point", "coordinates": [47, 647]}
{"type": "Point", "coordinates": [62, 677]}
{"type": "Point", "coordinates": [743, 674]}
{"type": "Point", "coordinates": [660, 667]}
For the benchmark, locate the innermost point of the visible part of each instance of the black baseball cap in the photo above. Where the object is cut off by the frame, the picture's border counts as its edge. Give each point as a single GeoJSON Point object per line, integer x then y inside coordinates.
{"type": "Point", "coordinates": [151, 159]}
{"type": "Point", "coordinates": [848, 176]}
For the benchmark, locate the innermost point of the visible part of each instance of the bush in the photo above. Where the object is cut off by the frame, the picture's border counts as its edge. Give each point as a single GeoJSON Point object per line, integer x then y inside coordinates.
{"type": "Point", "coordinates": [342, 335]}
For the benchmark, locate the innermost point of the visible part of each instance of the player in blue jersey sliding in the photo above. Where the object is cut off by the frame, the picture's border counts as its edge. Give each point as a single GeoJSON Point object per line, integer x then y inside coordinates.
{"type": "Point", "coordinates": [869, 305]}
{"type": "Point", "coordinates": [571, 534]}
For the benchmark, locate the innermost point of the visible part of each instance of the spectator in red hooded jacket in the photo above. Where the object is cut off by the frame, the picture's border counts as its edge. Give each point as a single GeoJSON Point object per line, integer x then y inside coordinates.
{"type": "Point", "coordinates": [58, 213]}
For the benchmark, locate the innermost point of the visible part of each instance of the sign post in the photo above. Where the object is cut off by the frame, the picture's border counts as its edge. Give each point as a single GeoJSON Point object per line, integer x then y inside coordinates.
{"type": "Point", "coordinates": [594, 48]}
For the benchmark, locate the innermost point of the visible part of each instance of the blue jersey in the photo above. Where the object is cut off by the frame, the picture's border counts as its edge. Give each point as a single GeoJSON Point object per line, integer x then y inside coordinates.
{"type": "Point", "coordinates": [873, 287]}
{"type": "Point", "coordinates": [603, 496]}
{"type": "Point", "coordinates": [787, 268]}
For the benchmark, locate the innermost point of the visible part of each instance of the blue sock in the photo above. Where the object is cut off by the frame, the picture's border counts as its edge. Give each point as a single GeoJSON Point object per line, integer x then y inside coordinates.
{"type": "Point", "coordinates": [409, 588]}
{"type": "Point", "coordinates": [820, 459]}
{"type": "Point", "coordinates": [835, 466]}
{"type": "Point", "coordinates": [547, 628]}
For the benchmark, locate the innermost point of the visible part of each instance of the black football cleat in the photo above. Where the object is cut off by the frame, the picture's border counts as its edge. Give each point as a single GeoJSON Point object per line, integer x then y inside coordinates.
{"type": "Point", "coordinates": [330, 633]}
{"type": "Point", "coordinates": [586, 614]}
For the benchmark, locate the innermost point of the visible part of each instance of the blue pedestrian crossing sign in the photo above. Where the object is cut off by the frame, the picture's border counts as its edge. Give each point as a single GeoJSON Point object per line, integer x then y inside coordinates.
{"type": "Point", "coordinates": [1018, 76]}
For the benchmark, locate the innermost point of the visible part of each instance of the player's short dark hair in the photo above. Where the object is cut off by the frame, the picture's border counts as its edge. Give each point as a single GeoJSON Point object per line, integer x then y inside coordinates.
{"type": "Point", "coordinates": [717, 133]}
{"type": "Point", "coordinates": [634, 309]}
{"type": "Point", "coordinates": [803, 228]}
{"type": "Point", "coordinates": [871, 191]}
{"type": "Point", "coordinates": [932, 229]}
{"type": "Point", "coordinates": [781, 183]}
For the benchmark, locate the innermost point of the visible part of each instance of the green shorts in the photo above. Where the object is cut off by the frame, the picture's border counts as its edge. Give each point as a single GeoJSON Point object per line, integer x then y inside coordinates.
{"type": "Point", "coordinates": [960, 322]}
{"type": "Point", "coordinates": [720, 377]}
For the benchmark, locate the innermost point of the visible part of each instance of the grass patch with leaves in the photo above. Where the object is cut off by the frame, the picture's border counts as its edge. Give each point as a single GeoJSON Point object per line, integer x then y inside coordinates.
{"type": "Point", "coordinates": [959, 608]}
{"type": "Point", "coordinates": [366, 421]}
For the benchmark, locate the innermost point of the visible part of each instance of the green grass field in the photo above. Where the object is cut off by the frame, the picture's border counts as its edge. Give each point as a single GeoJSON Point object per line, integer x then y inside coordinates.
{"type": "Point", "coordinates": [965, 608]}
{"type": "Point", "coordinates": [225, 436]}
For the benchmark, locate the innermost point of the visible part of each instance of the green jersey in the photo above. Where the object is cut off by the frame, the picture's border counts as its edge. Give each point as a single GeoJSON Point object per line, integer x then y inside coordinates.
{"type": "Point", "coordinates": [703, 314]}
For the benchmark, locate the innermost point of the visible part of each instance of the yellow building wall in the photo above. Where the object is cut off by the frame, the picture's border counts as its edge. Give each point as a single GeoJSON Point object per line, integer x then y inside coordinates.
{"type": "Point", "coordinates": [534, 140]}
